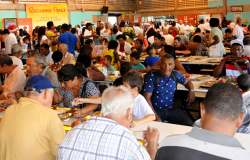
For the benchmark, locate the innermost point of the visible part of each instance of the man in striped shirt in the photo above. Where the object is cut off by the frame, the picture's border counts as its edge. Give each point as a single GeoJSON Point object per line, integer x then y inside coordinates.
{"type": "Point", "coordinates": [220, 118]}
{"type": "Point", "coordinates": [105, 137]}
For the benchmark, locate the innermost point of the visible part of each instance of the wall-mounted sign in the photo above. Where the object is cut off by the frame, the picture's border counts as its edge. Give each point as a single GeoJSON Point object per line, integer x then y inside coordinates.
{"type": "Point", "coordinates": [191, 18]}
{"type": "Point", "coordinates": [10, 21]}
{"type": "Point", "coordinates": [236, 8]}
{"type": "Point", "coordinates": [246, 20]}
{"type": "Point", "coordinates": [185, 18]}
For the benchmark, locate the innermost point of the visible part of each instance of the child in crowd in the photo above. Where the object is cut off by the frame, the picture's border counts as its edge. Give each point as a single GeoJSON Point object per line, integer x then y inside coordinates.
{"type": "Point", "coordinates": [163, 41]}
{"type": "Point", "coordinates": [57, 58]}
{"type": "Point", "coordinates": [135, 61]}
{"type": "Point", "coordinates": [124, 69]}
{"type": "Point", "coordinates": [106, 61]}
{"type": "Point", "coordinates": [26, 48]}
{"type": "Point", "coordinates": [104, 41]}
{"type": "Point", "coordinates": [112, 51]}
{"type": "Point", "coordinates": [142, 111]}
{"type": "Point", "coordinates": [151, 59]}
{"type": "Point", "coordinates": [133, 49]}
{"type": "Point", "coordinates": [138, 45]}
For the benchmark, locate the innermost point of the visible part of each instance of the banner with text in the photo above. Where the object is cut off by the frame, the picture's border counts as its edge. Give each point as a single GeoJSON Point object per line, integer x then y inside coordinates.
{"type": "Point", "coordinates": [42, 13]}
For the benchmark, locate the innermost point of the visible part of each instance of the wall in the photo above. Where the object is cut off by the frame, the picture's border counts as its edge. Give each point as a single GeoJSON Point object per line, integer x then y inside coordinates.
{"type": "Point", "coordinates": [215, 3]}
{"type": "Point", "coordinates": [126, 18]}
{"type": "Point", "coordinates": [245, 15]}
{"type": "Point", "coordinates": [237, 2]}
{"type": "Point", "coordinates": [77, 17]}
{"type": "Point", "coordinates": [7, 14]}
{"type": "Point", "coordinates": [22, 15]}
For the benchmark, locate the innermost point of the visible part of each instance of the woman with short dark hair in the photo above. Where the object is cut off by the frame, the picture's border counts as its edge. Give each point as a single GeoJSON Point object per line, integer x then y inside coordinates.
{"type": "Point", "coordinates": [216, 47]}
{"type": "Point", "coordinates": [196, 46]}
{"type": "Point", "coordinates": [75, 84]}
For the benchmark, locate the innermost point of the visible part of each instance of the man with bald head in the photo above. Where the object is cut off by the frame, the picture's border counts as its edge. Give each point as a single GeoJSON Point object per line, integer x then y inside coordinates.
{"type": "Point", "coordinates": [169, 39]}
{"type": "Point", "coordinates": [129, 31]}
{"type": "Point", "coordinates": [144, 40]}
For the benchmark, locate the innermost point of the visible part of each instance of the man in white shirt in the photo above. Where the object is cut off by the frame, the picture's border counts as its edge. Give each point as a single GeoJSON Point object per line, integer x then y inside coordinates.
{"type": "Point", "coordinates": [14, 76]}
{"type": "Point", "coordinates": [16, 54]}
{"type": "Point", "coordinates": [207, 26]}
{"type": "Point", "coordinates": [10, 39]}
{"type": "Point", "coordinates": [191, 26]}
{"type": "Point", "coordinates": [202, 26]}
{"type": "Point", "coordinates": [246, 42]}
{"type": "Point", "coordinates": [186, 28]}
{"type": "Point", "coordinates": [169, 39]}
{"type": "Point", "coordinates": [44, 49]}
{"type": "Point", "coordinates": [83, 23]}
{"type": "Point", "coordinates": [123, 46]}
{"type": "Point", "coordinates": [180, 25]}
{"type": "Point", "coordinates": [232, 24]}
{"type": "Point", "coordinates": [137, 29]}
{"type": "Point", "coordinates": [238, 32]}
{"type": "Point", "coordinates": [88, 32]}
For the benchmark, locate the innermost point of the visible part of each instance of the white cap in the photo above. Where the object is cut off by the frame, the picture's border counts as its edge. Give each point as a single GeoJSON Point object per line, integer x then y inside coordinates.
{"type": "Point", "coordinates": [83, 23]}
{"type": "Point", "coordinates": [147, 24]}
{"type": "Point", "coordinates": [237, 41]}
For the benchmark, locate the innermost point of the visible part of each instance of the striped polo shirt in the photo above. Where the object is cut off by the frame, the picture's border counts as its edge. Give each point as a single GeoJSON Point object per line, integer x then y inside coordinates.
{"type": "Point", "coordinates": [201, 144]}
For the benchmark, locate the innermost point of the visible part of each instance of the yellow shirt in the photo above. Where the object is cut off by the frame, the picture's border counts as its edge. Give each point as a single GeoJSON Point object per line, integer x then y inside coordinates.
{"type": "Point", "coordinates": [111, 53]}
{"type": "Point", "coordinates": [30, 131]}
{"type": "Point", "coordinates": [49, 34]}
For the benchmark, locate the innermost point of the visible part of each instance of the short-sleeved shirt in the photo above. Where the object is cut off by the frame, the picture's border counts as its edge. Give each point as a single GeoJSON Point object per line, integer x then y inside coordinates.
{"type": "Point", "coordinates": [163, 94]}
{"type": "Point", "coordinates": [110, 52]}
{"type": "Point", "coordinates": [150, 61]}
{"type": "Point", "coordinates": [70, 39]}
{"type": "Point", "coordinates": [158, 47]}
{"type": "Point", "coordinates": [141, 108]}
{"type": "Point", "coordinates": [91, 90]}
{"type": "Point", "coordinates": [17, 61]}
{"type": "Point", "coordinates": [139, 66]}
{"type": "Point", "coordinates": [111, 69]}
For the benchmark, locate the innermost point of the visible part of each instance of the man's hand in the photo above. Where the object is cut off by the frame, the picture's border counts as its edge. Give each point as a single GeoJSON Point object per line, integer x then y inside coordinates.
{"type": "Point", "coordinates": [158, 119]}
{"type": "Point", "coordinates": [190, 97]}
{"type": "Point", "coordinates": [152, 137]}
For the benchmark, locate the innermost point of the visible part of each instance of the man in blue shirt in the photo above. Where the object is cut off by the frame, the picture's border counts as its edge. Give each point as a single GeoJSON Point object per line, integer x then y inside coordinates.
{"type": "Point", "coordinates": [68, 38]}
{"type": "Point", "coordinates": [161, 97]}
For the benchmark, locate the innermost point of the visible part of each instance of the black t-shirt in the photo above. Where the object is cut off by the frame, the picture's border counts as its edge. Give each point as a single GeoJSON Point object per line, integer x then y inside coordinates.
{"type": "Point", "coordinates": [118, 82]}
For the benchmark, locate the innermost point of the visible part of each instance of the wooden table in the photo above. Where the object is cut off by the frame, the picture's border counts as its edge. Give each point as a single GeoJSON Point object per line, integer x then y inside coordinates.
{"type": "Point", "coordinates": [202, 62]}
{"type": "Point", "coordinates": [167, 129]}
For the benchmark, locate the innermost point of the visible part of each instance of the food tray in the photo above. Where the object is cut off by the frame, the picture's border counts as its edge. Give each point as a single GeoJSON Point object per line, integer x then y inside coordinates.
{"type": "Point", "coordinates": [229, 79]}
{"type": "Point", "coordinates": [213, 61]}
{"type": "Point", "coordinates": [207, 84]}
{"type": "Point", "coordinates": [199, 57]}
{"type": "Point", "coordinates": [188, 59]}
{"type": "Point", "coordinates": [63, 112]}
{"type": "Point", "coordinates": [199, 77]}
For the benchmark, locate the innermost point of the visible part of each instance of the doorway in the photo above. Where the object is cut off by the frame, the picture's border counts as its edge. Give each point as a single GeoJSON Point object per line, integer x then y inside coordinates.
{"type": "Point", "coordinates": [236, 16]}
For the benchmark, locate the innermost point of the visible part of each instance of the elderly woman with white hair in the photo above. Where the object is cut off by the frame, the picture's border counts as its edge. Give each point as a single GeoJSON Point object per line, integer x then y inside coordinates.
{"type": "Point", "coordinates": [107, 135]}
{"type": "Point", "coordinates": [107, 32]}
{"type": "Point", "coordinates": [16, 54]}
{"type": "Point", "coordinates": [184, 39]}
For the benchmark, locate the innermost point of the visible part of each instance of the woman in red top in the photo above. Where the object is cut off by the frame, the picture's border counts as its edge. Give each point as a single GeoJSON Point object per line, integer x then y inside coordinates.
{"type": "Point", "coordinates": [174, 29]}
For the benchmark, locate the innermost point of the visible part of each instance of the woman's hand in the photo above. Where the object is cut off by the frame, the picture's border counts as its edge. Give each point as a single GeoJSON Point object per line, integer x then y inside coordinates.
{"type": "Point", "coordinates": [78, 101]}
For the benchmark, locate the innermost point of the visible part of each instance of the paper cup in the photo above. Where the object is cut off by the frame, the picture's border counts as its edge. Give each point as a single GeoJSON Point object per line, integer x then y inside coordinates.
{"type": "Point", "coordinates": [116, 73]}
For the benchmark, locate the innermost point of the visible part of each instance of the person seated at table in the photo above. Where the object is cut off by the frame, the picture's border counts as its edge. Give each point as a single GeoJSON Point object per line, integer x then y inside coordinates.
{"type": "Point", "coordinates": [198, 32]}
{"type": "Point", "coordinates": [138, 46]}
{"type": "Point", "coordinates": [123, 46]}
{"type": "Point", "coordinates": [229, 37]}
{"type": "Point", "coordinates": [144, 40]}
{"type": "Point", "coordinates": [220, 118]}
{"type": "Point", "coordinates": [14, 76]}
{"type": "Point", "coordinates": [169, 39]}
{"type": "Point", "coordinates": [244, 85]}
{"type": "Point", "coordinates": [196, 46]}
{"type": "Point", "coordinates": [16, 53]}
{"type": "Point", "coordinates": [161, 96]}
{"type": "Point", "coordinates": [125, 68]}
{"type": "Point", "coordinates": [167, 49]}
{"type": "Point", "coordinates": [68, 58]}
{"type": "Point", "coordinates": [36, 65]}
{"type": "Point", "coordinates": [180, 48]}
{"type": "Point", "coordinates": [135, 61]}
{"type": "Point", "coordinates": [151, 59]}
{"type": "Point", "coordinates": [104, 41]}
{"type": "Point", "coordinates": [107, 62]}
{"type": "Point", "coordinates": [157, 43]}
{"type": "Point", "coordinates": [133, 49]}
{"type": "Point", "coordinates": [207, 34]}
{"type": "Point", "coordinates": [110, 131]}
{"type": "Point", "coordinates": [30, 129]}
{"type": "Point", "coordinates": [112, 51]}
{"type": "Point", "coordinates": [93, 73]}
{"type": "Point", "coordinates": [184, 39]}
{"type": "Point", "coordinates": [44, 49]}
{"type": "Point", "coordinates": [57, 58]}
{"type": "Point", "coordinates": [246, 42]}
{"type": "Point", "coordinates": [163, 41]}
{"type": "Point", "coordinates": [74, 83]}
{"type": "Point", "coordinates": [227, 67]}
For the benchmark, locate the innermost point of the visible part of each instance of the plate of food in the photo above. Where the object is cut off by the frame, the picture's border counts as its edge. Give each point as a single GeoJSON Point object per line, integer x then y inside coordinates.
{"type": "Point", "coordinates": [213, 61]}
{"type": "Point", "coordinates": [186, 59]}
{"type": "Point", "coordinates": [207, 84]}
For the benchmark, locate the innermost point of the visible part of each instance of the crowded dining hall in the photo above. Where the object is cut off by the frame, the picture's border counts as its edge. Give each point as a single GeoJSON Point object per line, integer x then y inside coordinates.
{"type": "Point", "coordinates": [124, 80]}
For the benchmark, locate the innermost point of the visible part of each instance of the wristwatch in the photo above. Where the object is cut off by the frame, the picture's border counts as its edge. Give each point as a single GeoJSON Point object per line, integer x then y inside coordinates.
{"type": "Point", "coordinates": [247, 61]}
{"type": "Point", "coordinates": [191, 90]}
